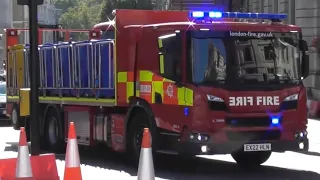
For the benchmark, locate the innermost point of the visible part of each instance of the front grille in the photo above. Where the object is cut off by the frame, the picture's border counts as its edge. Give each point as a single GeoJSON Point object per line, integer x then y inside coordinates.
{"type": "Point", "coordinates": [253, 135]}
{"type": "Point", "coordinates": [249, 121]}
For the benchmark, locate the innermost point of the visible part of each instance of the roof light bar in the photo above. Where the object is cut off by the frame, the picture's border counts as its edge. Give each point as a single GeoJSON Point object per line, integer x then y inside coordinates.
{"type": "Point", "coordinates": [215, 14]}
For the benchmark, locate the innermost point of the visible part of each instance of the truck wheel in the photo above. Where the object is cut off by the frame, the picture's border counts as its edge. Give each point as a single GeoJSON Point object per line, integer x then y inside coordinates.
{"type": "Point", "coordinates": [306, 145]}
{"type": "Point", "coordinates": [134, 136]}
{"type": "Point", "coordinates": [53, 136]}
{"type": "Point", "coordinates": [251, 159]}
{"type": "Point", "coordinates": [15, 118]}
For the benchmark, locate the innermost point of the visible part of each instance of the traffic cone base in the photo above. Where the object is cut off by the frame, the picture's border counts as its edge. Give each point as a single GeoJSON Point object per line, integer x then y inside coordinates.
{"type": "Point", "coordinates": [23, 164]}
{"type": "Point", "coordinates": [73, 173]}
{"type": "Point", "coordinates": [146, 168]}
{"type": "Point", "coordinates": [26, 178]}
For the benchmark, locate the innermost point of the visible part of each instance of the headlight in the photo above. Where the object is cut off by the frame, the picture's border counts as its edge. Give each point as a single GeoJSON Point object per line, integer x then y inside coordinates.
{"type": "Point", "coordinates": [292, 97]}
{"type": "Point", "coordinates": [214, 98]}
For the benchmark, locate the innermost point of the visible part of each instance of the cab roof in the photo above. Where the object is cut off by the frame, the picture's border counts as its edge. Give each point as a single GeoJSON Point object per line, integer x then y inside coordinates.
{"type": "Point", "coordinates": [163, 19]}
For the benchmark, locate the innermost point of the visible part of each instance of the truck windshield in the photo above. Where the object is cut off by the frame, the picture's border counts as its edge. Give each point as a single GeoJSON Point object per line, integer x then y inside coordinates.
{"type": "Point", "coordinates": [244, 58]}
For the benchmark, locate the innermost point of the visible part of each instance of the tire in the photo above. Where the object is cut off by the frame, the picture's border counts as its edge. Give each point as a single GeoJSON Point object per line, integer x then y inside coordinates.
{"type": "Point", "coordinates": [251, 159]}
{"type": "Point", "coordinates": [15, 118]}
{"type": "Point", "coordinates": [306, 144]}
{"type": "Point", "coordinates": [134, 136]}
{"type": "Point", "coordinates": [53, 132]}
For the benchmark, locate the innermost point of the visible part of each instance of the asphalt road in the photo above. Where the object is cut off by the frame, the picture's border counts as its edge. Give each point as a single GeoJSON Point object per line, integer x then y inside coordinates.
{"type": "Point", "coordinates": [281, 166]}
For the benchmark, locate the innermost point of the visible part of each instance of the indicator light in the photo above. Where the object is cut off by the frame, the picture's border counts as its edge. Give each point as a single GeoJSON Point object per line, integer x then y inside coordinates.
{"type": "Point", "coordinates": [275, 121]}
{"type": "Point", "coordinates": [197, 14]}
{"type": "Point", "coordinates": [186, 111]}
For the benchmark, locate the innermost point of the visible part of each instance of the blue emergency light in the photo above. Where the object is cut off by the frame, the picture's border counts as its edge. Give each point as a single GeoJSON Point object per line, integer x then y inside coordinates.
{"type": "Point", "coordinates": [275, 121]}
{"type": "Point", "coordinates": [216, 15]}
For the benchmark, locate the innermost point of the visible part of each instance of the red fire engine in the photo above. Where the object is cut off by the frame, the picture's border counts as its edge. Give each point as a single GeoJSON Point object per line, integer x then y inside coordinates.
{"type": "Point", "coordinates": [203, 82]}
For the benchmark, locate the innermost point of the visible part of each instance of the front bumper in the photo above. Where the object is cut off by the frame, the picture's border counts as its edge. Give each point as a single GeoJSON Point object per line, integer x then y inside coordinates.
{"type": "Point", "coordinates": [209, 145]}
{"type": "Point", "coordinates": [230, 147]}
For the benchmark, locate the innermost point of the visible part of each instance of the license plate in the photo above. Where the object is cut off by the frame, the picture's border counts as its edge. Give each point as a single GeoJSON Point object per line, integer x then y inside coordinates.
{"type": "Point", "coordinates": [257, 147]}
{"type": "Point", "coordinates": [4, 112]}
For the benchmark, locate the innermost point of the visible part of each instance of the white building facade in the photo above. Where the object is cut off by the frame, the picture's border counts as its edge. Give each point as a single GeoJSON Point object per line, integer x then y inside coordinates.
{"type": "Point", "coordinates": [306, 15]}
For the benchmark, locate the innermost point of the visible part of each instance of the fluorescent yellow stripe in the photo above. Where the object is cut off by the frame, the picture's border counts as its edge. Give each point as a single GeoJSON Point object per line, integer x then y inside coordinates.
{"type": "Point", "coordinates": [188, 97]}
{"type": "Point", "coordinates": [68, 99]}
{"type": "Point", "coordinates": [167, 80]}
{"type": "Point", "coordinates": [130, 89]}
{"type": "Point", "coordinates": [145, 76]}
{"type": "Point", "coordinates": [18, 65]}
{"type": "Point", "coordinates": [161, 59]}
{"type": "Point", "coordinates": [157, 87]}
{"type": "Point", "coordinates": [122, 77]}
{"type": "Point", "coordinates": [17, 47]}
{"type": "Point", "coordinates": [13, 97]}
{"type": "Point", "coordinates": [160, 43]}
{"type": "Point", "coordinates": [181, 92]}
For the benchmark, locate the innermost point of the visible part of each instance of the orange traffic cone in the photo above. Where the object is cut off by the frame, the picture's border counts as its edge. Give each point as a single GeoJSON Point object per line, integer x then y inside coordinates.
{"type": "Point", "coordinates": [146, 169]}
{"type": "Point", "coordinates": [72, 169]}
{"type": "Point", "coordinates": [23, 165]}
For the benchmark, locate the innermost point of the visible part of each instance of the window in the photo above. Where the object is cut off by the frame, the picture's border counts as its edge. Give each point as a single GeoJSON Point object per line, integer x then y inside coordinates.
{"type": "Point", "coordinates": [209, 57]}
{"type": "Point", "coordinates": [220, 60]}
{"type": "Point", "coordinates": [3, 89]}
{"type": "Point", "coordinates": [169, 55]}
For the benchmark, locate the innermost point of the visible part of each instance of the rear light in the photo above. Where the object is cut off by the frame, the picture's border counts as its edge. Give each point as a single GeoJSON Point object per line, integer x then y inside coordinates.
{"type": "Point", "coordinates": [94, 34]}
{"type": "Point", "coordinates": [12, 32]}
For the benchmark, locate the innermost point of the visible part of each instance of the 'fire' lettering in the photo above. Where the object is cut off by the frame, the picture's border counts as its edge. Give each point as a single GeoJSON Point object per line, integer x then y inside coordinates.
{"type": "Point", "coordinates": [250, 101]}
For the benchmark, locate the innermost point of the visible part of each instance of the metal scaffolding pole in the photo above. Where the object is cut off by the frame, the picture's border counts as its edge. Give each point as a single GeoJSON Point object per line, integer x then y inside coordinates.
{"type": "Point", "coordinates": [34, 73]}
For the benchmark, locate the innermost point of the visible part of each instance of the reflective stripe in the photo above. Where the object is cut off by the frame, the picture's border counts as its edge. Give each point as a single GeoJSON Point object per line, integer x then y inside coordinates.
{"type": "Point", "coordinates": [160, 44]}
{"type": "Point", "coordinates": [189, 97]}
{"type": "Point", "coordinates": [152, 85]}
{"type": "Point", "coordinates": [157, 86]}
{"type": "Point", "coordinates": [161, 63]}
{"type": "Point", "coordinates": [72, 154]}
{"type": "Point", "coordinates": [146, 168]}
{"type": "Point", "coordinates": [130, 90]}
{"type": "Point", "coordinates": [122, 77]}
{"type": "Point", "coordinates": [181, 96]}
{"type": "Point", "coordinates": [145, 76]}
{"type": "Point", "coordinates": [126, 80]}
{"type": "Point", "coordinates": [170, 93]}
{"type": "Point", "coordinates": [23, 169]}
{"type": "Point", "coordinates": [161, 57]}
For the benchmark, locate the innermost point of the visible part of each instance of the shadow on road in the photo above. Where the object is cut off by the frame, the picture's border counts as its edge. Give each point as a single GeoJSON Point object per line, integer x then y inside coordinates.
{"type": "Point", "coordinates": [176, 168]}
{"type": "Point", "coordinates": [310, 153]}
{"type": "Point", "coordinates": [5, 123]}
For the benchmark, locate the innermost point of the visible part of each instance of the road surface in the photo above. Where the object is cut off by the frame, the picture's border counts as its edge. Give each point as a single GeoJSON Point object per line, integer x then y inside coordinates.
{"type": "Point", "coordinates": [281, 166]}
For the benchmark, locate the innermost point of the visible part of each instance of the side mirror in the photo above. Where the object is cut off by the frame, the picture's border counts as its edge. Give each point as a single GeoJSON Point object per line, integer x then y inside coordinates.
{"type": "Point", "coordinates": [305, 65]}
{"type": "Point", "coordinates": [303, 45]}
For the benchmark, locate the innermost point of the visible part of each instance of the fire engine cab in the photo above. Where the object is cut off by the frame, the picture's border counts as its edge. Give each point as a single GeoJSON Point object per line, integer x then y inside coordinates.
{"type": "Point", "coordinates": [204, 82]}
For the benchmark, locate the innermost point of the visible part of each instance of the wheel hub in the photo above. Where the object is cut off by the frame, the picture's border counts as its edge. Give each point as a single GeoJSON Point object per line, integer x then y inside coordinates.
{"type": "Point", "coordinates": [53, 131]}
{"type": "Point", "coordinates": [14, 116]}
{"type": "Point", "coordinates": [138, 138]}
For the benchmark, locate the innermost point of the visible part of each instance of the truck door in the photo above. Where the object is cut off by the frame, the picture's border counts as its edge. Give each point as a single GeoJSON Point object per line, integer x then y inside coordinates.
{"type": "Point", "coordinates": [170, 56]}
